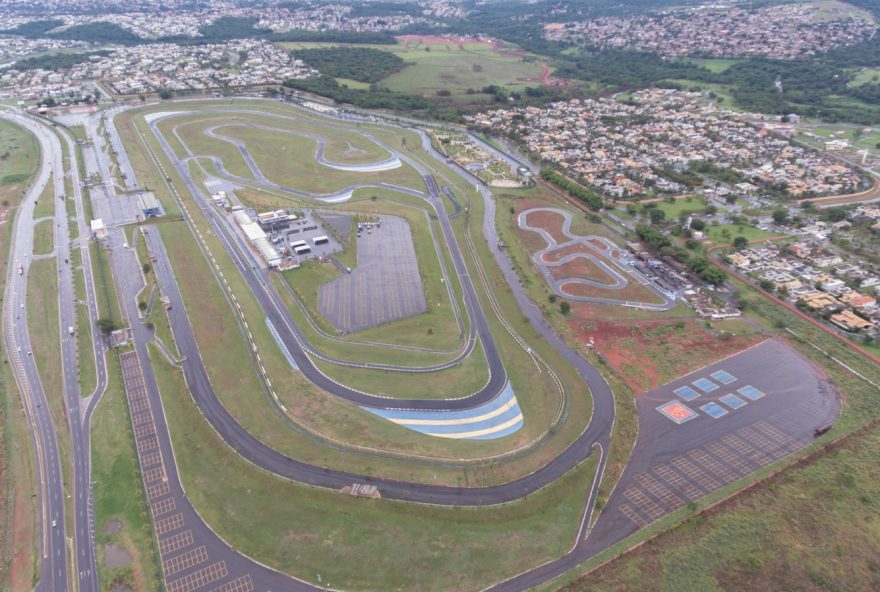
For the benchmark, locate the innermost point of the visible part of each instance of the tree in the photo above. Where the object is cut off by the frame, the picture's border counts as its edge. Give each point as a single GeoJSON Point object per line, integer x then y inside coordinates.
{"type": "Point", "coordinates": [657, 216]}
{"type": "Point", "coordinates": [165, 94]}
{"type": "Point", "coordinates": [713, 275]}
{"type": "Point", "coordinates": [564, 307]}
{"type": "Point", "coordinates": [740, 242]}
{"type": "Point", "coordinates": [147, 268]}
{"type": "Point", "coordinates": [780, 216]}
{"type": "Point", "coordinates": [106, 326]}
{"type": "Point", "coordinates": [766, 285]}
{"type": "Point", "coordinates": [698, 224]}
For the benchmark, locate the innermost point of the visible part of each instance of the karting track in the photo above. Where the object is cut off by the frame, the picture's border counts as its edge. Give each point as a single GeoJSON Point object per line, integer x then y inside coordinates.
{"type": "Point", "coordinates": [620, 273]}
{"type": "Point", "coordinates": [249, 447]}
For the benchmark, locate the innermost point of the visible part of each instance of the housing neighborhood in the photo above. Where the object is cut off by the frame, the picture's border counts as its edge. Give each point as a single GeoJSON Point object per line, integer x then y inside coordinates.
{"type": "Point", "coordinates": [782, 31]}
{"type": "Point", "coordinates": [647, 143]}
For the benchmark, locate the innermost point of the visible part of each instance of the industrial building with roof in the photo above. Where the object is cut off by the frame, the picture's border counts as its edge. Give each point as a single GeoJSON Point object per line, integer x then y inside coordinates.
{"type": "Point", "coordinates": [256, 237]}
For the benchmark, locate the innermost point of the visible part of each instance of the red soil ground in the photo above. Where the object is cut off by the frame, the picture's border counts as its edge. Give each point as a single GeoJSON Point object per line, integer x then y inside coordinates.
{"type": "Point", "coordinates": [549, 221]}
{"type": "Point", "coordinates": [581, 268]}
{"type": "Point", "coordinates": [647, 354]}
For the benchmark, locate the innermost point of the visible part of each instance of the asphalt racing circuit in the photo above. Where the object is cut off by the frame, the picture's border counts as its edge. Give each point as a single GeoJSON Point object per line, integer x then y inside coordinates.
{"type": "Point", "coordinates": [598, 250]}
{"type": "Point", "coordinates": [701, 432]}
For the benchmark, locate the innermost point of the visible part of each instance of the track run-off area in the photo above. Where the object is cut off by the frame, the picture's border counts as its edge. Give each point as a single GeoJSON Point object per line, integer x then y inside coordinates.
{"type": "Point", "coordinates": [493, 416]}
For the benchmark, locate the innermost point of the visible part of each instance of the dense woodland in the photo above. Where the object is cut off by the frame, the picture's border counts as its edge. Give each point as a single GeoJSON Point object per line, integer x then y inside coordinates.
{"type": "Point", "coordinates": [55, 61]}
{"type": "Point", "coordinates": [363, 64]}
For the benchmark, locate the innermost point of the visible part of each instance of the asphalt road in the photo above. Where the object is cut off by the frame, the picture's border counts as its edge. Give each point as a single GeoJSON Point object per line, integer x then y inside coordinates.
{"type": "Point", "coordinates": [53, 560]}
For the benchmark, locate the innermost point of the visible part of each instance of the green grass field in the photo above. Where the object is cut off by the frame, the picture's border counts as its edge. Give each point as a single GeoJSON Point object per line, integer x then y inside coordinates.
{"type": "Point", "coordinates": [44, 237]}
{"type": "Point", "coordinates": [453, 68]}
{"type": "Point", "coordinates": [45, 206]}
{"type": "Point", "coordinates": [105, 288]}
{"type": "Point", "coordinates": [682, 205]}
{"type": "Point", "coordinates": [121, 512]}
{"type": "Point", "coordinates": [19, 159]}
{"type": "Point", "coordinates": [866, 76]}
{"type": "Point", "coordinates": [716, 65]}
{"type": "Point", "coordinates": [726, 233]}
{"type": "Point", "coordinates": [87, 371]}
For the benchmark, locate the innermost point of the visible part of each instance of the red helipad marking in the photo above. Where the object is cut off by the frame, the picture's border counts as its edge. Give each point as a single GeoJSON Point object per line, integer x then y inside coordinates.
{"type": "Point", "coordinates": [677, 412]}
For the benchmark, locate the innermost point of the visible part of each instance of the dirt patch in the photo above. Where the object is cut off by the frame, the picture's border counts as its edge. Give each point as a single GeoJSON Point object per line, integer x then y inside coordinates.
{"type": "Point", "coordinates": [115, 556]}
{"type": "Point", "coordinates": [550, 222]}
{"type": "Point", "coordinates": [633, 291]}
{"type": "Point", "coordinates": [646, 354]}
{"type": "Point", "coordinates": [113, 527]}
{"type": "Point", "coordinates": [581, 268]}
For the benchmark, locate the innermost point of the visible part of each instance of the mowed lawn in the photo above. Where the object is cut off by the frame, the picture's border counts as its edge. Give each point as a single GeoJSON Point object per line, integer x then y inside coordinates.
{"type": "Point", "coordinates": [726, 233]}
{"type": "Point", "coordinates": [682, 205]}
{"type": "Point", "coordinates": [456, 70]}
{"type": "Point", "coordinates": [44, 237]}
{"type": "Point", "coordinates": [814, 527]}
{"type": "Point", "coordinates": [289, 160]}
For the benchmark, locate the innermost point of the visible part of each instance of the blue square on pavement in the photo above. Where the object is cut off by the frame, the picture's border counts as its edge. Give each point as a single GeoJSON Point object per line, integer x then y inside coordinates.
{"type": "Point", "coordinates": [750, 392]}
{"type": "Point", "coordinates": [732, 401]}
{"type": "Point", "coordinates": [705, 385]}
{"type": "Point", "coordinates": [714, 409]}
{"type": "Point", "coordinates": [686, 393]}
{"type": "Point", "coordinates": [723, 377]}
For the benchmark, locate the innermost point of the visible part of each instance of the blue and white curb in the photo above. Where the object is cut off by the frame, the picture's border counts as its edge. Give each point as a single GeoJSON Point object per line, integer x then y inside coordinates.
{"type": "Point", "coordinates": [498, 418]}
{"type": "Point", "coordinates": [281, 345]}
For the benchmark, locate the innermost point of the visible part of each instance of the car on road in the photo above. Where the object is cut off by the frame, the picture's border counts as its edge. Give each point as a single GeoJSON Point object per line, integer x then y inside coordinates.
{"type": "Point", "coordinates": [54, 523]}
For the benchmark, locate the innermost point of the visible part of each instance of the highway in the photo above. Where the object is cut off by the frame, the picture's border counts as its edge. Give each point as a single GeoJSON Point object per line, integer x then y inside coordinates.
{"type": "Point", "coordinates": [78, 409]}
{"type": "Point", "coordinates": [53, 572]}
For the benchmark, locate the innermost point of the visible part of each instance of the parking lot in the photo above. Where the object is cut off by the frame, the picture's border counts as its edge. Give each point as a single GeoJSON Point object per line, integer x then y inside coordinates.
{"type": "Point", "coordinates": [305, 229]}
{"type": "Point", "coordinates": [713, 427]}
{"type": "Point", "coordinates": [385, 286]}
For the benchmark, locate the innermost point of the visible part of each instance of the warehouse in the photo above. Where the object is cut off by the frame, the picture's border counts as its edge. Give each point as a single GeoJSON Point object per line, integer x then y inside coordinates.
{"type": "Point", "coordinates": [257, 238]}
